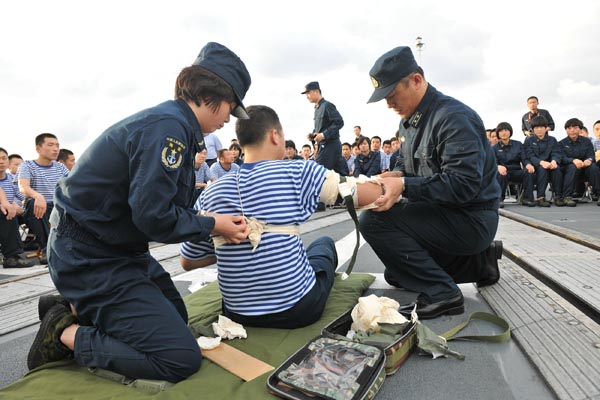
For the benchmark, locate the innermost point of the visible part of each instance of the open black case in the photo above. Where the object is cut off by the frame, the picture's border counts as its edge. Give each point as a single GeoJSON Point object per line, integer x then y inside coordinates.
{"type": "Point", "coordinates": [384, 361]}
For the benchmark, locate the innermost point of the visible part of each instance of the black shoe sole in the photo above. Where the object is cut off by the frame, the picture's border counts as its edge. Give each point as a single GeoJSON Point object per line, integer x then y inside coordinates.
{"type": "Point", "coordinates": [455, 307]}
{"type": "Point", "coordinates": [35, 357]}
{"type": "Point", "coordinates": [450, 311]}
{"type": "Point", "coordinates": [46, 302]}
{"type": "Point", "coordinates": [17, 266]}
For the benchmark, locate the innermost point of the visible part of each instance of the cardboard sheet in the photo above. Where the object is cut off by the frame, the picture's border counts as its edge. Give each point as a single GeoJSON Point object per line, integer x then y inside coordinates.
{"type": "Point", "coordinates": [237, 362]}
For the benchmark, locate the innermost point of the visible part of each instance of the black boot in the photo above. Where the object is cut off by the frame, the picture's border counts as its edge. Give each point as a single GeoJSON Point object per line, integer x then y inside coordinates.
{"type": "Point", "coordinates": [47, 346]}
{"type": "Point", "coordinates": [492, 255]}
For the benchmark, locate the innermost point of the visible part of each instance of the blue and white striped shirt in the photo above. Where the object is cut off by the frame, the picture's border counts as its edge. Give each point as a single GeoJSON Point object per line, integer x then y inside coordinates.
{"type": "Point", "coordinates": [8, 185]}
{"type": "Point", "coordinates": [277, 275]}
{"type": "Point", "coordinates": [43, 178]}
{"type": "Point", "coordinates": [202, 173]}
{"type": "Point", "coordinates": [217, 170]}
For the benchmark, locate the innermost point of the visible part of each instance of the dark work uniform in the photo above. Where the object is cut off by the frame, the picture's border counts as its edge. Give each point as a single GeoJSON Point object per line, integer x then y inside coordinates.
{"type": "Point", "coordinates": [10, 239]}
{"type": "Point", "coordinates": [581, 149]}
{"type": "Point", "coordinates": [134, 184]}
{"type": "Point", "coordinates": [438, 238]}
{"type": "Point", "coordinates": [546, 149]}
{"type": "Point", "coordinates": [342, 167]}
{"type": "Point", "coordinates": [511, 156]}
{"type": "Point", "coordinates": [328, 121]}
{"type": "Point", "coordinates": [393, 159]}
{"type": "Point", "coordinates": [368, 165]}
{"type": "Point", "coordinates": [526, 119]}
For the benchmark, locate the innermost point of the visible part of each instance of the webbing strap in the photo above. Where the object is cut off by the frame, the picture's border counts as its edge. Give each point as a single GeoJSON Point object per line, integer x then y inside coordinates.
{"type": "Point", "coordinates": [147, 385]}
{"type": "Point", "coordinates": [494, 319]}
{"type": "Point", "coordinates": [349, 201]}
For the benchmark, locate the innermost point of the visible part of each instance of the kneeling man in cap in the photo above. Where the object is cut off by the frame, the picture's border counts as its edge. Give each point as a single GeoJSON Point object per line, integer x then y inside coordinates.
{"type": "Point", "coordinates": [435, 226]}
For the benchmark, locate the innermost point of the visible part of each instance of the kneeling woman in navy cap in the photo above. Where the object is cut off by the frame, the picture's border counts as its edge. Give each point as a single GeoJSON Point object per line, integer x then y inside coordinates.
{"type": "Point", "coordinates": [133, 185]}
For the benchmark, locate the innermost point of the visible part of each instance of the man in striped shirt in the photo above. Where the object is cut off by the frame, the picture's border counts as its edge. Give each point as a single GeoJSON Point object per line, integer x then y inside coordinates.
{"type": "Point", "coordinates": [224, 166]}
{"type": "Point", "coordinates": [274, 281]}
{"type": "Point", "coordinates": [10, 240]}
{"type": "Point", "coordinates": [201, 171]}
{"type": "Point", "coordinates": [37, 181]}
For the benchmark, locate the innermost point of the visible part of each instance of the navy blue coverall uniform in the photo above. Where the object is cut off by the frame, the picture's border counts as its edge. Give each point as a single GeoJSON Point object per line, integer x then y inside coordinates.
{"type": "Point", "coordinates": [546, 149]}
{"type": "Point", "coordinates": [528, 116]}
{"type": "Point", "coordinates": [328, 121]}
{"type": "Point", "coordinates": [134, 184]}
{"type": "Point", "coordinates": [368, 165]}
{"type": "Point", "coordinates": [581, 149]}
{"type": "Point", "coordinates": [438, 238]}
{"type": "Point", "coordinates": [511, 156]}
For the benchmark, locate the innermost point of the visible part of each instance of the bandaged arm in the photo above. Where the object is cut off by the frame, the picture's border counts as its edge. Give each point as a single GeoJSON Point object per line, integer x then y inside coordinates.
{"type": "Point", "coordinates": [364, 190]}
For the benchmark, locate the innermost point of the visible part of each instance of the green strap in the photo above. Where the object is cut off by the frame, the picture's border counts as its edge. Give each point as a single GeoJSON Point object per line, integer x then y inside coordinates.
{"type": "Point", "coordinates": [494, 319]}
{"type": "Point", "coordinates": [146, 385]}
{"type": "Point", "coordinates": [349, 201]}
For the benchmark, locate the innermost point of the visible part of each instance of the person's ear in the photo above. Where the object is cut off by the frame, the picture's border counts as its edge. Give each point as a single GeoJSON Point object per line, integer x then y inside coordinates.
{"type": "Point", "coordinates": [275, 137]}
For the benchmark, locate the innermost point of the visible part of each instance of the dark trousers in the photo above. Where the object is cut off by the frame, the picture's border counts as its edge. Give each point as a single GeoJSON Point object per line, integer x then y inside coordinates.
{"type": "Point", "coordinates": [572, 176]}
{"type": "Point", "coordinates": [329, 155]}
{"type": "Point", "coordinates": [322, 257]}
{"type": "Point", "coordinates": [542, 176]}
{"type": "Point", "coordinates": [136, 321]}
{"type": "Point", "coordinates": [429, 249]}
{"type": "Point", "coordinates": [40, 227]}
{"type": "Point", "coordinates": [519, 175]}
{"type": "Point", "coordinates": [10, 240]}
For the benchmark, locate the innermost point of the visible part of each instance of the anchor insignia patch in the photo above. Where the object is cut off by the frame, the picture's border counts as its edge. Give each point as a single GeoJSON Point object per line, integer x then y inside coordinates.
{"type": "Point", "coordinates": [172, 153]}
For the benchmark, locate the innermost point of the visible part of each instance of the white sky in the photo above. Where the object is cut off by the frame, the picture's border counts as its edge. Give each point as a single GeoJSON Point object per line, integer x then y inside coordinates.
{"type": "Point", "coordinates": [73, 68]}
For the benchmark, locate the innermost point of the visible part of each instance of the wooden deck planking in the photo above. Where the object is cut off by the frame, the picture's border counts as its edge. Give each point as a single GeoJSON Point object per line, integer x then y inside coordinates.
{"type": "Point", "coordinates": [563, 349]}
{"type": "Point", "coordinates": [571, 266]}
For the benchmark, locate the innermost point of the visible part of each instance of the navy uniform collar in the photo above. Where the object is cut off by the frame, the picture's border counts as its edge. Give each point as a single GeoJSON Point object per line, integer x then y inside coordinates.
{"type": "Point", "coordinates": [196, 128]}
{"type": "Point", "coordinates": [417, 117]}
{"type": "Point", "coordinates": [319, 102]}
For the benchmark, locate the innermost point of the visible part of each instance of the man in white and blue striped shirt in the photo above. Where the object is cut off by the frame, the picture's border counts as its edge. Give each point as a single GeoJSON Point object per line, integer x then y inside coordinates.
{"type": "Point", "coordinates": [10, 239]}
{"type": "Point", "coordinates": [37, 181]}
{"type": "Point", "coordinates": [277, 282]}
{"type": "Point", "coordinates": [224, 166]}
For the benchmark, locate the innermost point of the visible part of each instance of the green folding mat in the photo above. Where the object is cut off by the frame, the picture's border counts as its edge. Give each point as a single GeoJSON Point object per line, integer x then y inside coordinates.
{"type": "Point", "coordinates": [67, 380]}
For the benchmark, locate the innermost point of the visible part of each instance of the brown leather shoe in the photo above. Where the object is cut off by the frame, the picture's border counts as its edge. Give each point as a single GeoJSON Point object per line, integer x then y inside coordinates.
{"type": "Point", "coordinates": [492, 255]}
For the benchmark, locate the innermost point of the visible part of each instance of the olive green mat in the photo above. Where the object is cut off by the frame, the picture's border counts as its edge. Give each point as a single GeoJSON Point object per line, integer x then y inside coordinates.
{"type": "Point", "coordinates": [66, 380]}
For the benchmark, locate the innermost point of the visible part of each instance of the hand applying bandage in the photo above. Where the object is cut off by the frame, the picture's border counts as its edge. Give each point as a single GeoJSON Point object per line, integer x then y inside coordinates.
{"type": "Point", "coordinates": [361, 193]}
{"type": "Point", "coordinates": [394, 187]}
{"type": "Point", "coordinates": [364, 190]}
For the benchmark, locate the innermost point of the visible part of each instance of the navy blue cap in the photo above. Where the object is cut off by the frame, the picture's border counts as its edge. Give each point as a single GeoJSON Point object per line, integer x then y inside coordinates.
{"type": "Point", "coordinates": [223, 62]}
{"type": "Point", "coordinates": [311, 86]}
{"type": "Point", "coordinates": [389, 69]}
